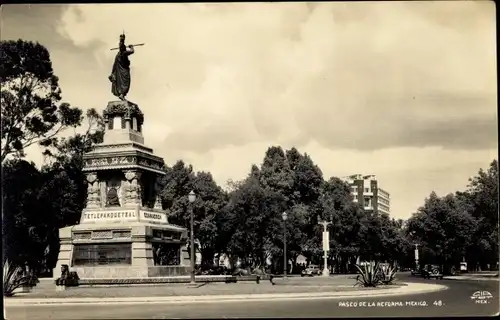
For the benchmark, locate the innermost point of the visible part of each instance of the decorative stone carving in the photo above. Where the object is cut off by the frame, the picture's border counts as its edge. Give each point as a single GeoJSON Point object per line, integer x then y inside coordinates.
{"type": "Point", "coordinates": [102, 234]}
{"type": "Point", "coordinates": [132, 187]}
{"type": "Point", "coordinates": [102, 192]}
{"type": "Point", "coordinates": [91, 177]}
{"type": "Point", "coordinates": [81, 235]}
{"type": "Point", "coordinates": [121, 234]}
{"type": "Point", "coordinates": [126, 192]}
{"type": "Point", "coordinates": [121, 162]}
{"type": "Point", "coordinates": [158, 204]}
{"type": "Point", "coordinates": [149, 163]}
{"type": "Point", "coordinates": [93, 194]}
{"type": "Point", "coordinates": [129, 175]}
{"type": "Point", "coordinates": [124, 109]}
{"type": "Point", "coordinates": [97, 162]}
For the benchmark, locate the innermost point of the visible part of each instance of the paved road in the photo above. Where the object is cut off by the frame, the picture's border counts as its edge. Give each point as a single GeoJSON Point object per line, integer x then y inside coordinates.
{"type": "Point", "coordinates": [454, 301]}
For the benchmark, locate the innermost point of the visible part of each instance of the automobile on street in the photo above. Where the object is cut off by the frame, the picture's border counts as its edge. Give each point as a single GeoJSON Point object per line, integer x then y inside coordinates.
{"type": "Point", "coordinates": [311, 270]}
{"type": "Point", "coordinates": [432, 271]}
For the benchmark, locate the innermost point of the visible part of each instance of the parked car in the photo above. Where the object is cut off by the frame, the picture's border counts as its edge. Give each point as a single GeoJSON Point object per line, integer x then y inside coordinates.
{"type": "Point", "coordinates": [463, 267]}
{"type": "Point", "coordinates": [416, 272]}
{"type": "Point", "coordinates": [432, 271]}
{"type": "Point", "coordinates": [455, 269]}
{"type": "Point", "coordinates": [311, 270]}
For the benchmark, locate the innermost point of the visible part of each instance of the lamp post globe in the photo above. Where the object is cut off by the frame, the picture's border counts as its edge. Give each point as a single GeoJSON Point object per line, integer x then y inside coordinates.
{"type": "Point", "coordinates": [415, 243]}
{"type": "Point", "coordinates": [192, 196]}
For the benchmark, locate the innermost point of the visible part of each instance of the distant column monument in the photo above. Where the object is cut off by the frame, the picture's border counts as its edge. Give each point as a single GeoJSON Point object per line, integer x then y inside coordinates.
{"type": "Point", "coordinates": [123, 227]}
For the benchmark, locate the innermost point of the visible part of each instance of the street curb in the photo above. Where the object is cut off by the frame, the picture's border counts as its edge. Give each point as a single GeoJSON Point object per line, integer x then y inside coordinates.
{"type": "Point", "coordinates": [410, 288]}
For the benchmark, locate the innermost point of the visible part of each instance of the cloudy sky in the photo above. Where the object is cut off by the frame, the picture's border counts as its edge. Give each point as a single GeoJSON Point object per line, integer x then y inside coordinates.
{"type": "Point", "coordinates": [403, 90]}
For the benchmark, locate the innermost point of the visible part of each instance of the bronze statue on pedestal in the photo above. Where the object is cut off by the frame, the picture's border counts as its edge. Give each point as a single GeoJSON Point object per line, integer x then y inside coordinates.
{"type": "Point", "coordinates": [120, 75]}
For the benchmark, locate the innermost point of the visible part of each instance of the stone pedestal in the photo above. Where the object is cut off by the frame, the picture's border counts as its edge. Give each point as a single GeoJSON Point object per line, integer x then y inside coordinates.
{"type": "Point", "coordinates": [123, 220]}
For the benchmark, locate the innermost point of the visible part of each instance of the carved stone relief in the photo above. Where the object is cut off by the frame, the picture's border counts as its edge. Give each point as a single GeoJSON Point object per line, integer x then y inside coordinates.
{"type": "Point", "coordinates": [122, 161]}
{"type": "Point", "coordinates": [102, 190]}
{"type": "Point", "coordinates": [93, 194]}
{"type": "Point", "coordinates": [132, 193]}
{"type": "Point", "coordinates": [157, 189]}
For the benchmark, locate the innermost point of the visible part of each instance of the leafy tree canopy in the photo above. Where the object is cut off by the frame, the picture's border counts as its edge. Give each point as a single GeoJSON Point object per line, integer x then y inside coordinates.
{"type": "Point", "coordinates": [30, 98]}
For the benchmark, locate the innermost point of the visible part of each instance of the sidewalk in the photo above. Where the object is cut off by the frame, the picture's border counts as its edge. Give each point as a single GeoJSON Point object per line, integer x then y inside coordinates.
{"type": "Point", "coordinates": [487, 274]}
{"type": "Point", "coordinates": [477, 275]}
{"type": "Point", "coordinates": [472, 277]}
{"type": "Point", "coordinates": [409, 288]}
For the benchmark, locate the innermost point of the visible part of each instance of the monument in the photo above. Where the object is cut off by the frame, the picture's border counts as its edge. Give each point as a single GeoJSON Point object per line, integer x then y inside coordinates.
{"type": "Point", "coordinates": [123, 231]}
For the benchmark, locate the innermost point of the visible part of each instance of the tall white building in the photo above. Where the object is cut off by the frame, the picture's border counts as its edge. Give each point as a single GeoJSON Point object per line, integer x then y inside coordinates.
{"type": "Point", "coordinates": [366, 191]}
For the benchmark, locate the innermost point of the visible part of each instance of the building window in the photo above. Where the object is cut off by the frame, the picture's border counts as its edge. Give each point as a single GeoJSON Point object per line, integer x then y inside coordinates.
{"type": "Point", "coordinates": [110, 124]}
{"type": "Point", "coordinates": [123, 122]}
{"type": "Point", "coordinates": [367, 202]}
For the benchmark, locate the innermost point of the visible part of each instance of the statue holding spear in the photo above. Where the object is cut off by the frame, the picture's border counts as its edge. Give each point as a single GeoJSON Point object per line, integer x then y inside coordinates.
{"type": "Point", "coordinates": [120, 75]}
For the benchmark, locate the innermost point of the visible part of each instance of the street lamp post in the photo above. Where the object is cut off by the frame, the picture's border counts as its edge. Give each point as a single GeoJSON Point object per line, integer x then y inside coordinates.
{"type": "Point", "coordinates": [416, 250]}
{"type": "Point", "coordinates": [284, 216]}
{"type": "Point", "coordinates": [326, 245]}
{"type": "Point", "coordinates": [416, 257]}
{"type": "Point", "coordinates": [192, 198]}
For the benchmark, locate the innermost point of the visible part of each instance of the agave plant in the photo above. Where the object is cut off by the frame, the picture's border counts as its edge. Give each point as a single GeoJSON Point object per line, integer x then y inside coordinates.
{"type": "Point", "coordinates": [387, 274]}
{"type": "Point", "coordinates": [15, 277]}
{"type": "Point", "coordinates": [368, 275]}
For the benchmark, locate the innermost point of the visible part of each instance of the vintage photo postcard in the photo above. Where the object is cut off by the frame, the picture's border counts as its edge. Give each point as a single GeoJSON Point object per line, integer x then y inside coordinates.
{"type": "Point", "coordinates": [249, 160]}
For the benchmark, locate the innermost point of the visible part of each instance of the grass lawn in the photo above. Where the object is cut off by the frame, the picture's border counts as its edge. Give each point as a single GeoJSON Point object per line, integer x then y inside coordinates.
{"type": "Point", "coordinates": [48, 290]}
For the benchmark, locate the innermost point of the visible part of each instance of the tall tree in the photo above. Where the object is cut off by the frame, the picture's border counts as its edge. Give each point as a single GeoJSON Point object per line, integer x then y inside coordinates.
{"type": "Point", "coordinates": [481, 200]}
{"type": "Point", "coordinates": [211, 200]}
{"type": "Point", "coordinates": [61, 199]}
{"type": "Point", "coordinates": [177, 183]}
{"type": "Point", "coordinates": [307, 184]}
{"type": "Point", "coordinates": [275, 174]}
{"type": "Point", "coordinates": [443, 228]}
{"type": "Point", "coordinates": [20, 211]}
{"type": "Point", "coordinates": [70, 151]}
{"type": "Point", "coordinates": [347, 223]}
{"type": "Point", "coordinates": [252, 212]}
{"type": "Point", "coordinates": [30, 98]}
{"type": "Point", "coordinates": [63, 190]}
{"type": "Point", "coordinates": [307, 177]}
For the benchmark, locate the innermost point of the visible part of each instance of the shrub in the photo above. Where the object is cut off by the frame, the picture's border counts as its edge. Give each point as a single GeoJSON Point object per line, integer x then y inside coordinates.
{"type": "Point", "coordinates": [15, 277]}
{"type": "Point", "coordinates": [369, 275]}
{"type": "Point", "coordinates": [387, 274]}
